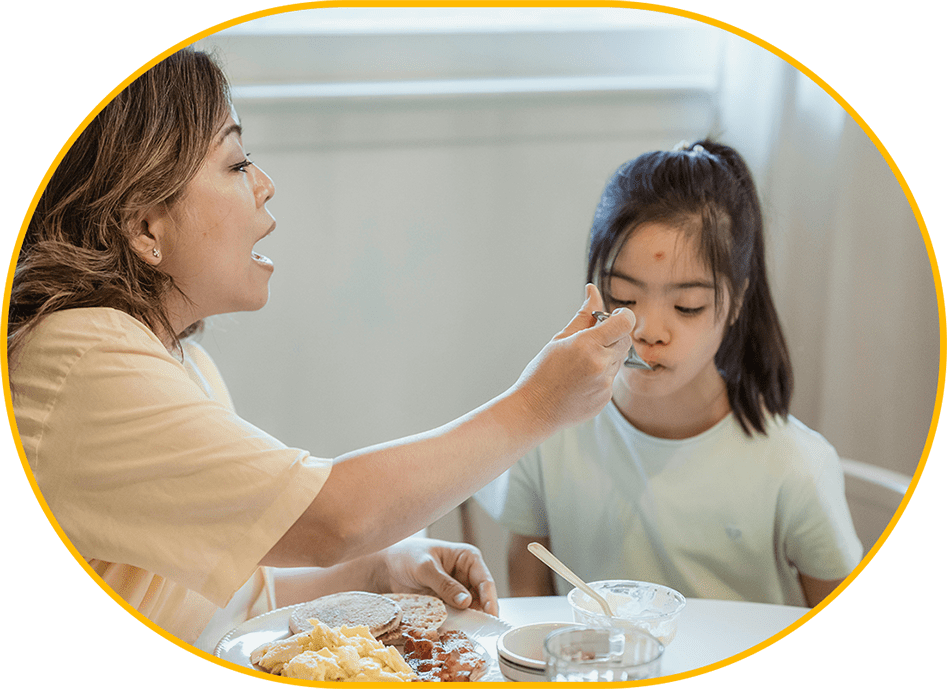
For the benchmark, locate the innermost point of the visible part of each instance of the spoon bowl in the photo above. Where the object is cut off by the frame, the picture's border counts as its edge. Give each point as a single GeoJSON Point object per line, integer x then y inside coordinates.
{"type": "Point", "coordinates": [633, 360]}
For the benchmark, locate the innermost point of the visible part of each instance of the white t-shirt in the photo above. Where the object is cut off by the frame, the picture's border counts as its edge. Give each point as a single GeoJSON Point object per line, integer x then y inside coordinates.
{"type": "Point", "coordinates": [170, 497]}
{"type": "Point", "coordinates": [720, 515]}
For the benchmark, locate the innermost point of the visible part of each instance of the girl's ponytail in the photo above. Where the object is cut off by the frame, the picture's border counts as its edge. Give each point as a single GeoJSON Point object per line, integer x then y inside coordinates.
{"type": "Point", "coordinates": [753, 356]}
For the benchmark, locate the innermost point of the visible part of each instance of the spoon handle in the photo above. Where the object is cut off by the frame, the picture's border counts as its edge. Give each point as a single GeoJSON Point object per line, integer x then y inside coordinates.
{"type": "Point", "coordinates": [555, 564]}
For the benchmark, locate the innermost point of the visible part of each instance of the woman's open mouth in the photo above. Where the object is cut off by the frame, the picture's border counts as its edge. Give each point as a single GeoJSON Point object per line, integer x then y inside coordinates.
{"type": "Point", "coordinates": [258, 257]}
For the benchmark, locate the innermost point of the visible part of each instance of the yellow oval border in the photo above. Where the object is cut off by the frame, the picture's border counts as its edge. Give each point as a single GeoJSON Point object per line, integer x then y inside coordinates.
{"type": "Point", "coordinates": [394, 3]}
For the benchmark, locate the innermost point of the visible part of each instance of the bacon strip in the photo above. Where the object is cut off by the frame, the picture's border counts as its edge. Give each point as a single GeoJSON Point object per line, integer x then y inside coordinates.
{"type": "Point", "coordinates": [451, 657]}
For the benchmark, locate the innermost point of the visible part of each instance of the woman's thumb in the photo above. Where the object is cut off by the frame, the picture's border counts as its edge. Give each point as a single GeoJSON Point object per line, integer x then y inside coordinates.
{"type": "Point", "coordinates": [450, 590]}
{"type": "Point", "coordinates": [583, 318]}
{"type": "Point", "coordinates": [593, 299]}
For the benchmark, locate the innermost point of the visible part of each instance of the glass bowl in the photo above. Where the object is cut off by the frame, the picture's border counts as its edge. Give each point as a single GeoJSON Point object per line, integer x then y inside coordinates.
{"type": "Point", "coordinates": [636, 604]}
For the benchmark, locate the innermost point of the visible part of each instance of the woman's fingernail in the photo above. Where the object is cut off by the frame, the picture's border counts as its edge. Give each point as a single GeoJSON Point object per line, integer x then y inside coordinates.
{"type": "Point", "coordinates": [461, 598]}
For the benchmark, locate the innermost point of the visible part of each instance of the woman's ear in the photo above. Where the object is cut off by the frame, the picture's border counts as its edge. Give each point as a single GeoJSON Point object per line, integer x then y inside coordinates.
{"type": "Point", "coordinates": [150, 235]}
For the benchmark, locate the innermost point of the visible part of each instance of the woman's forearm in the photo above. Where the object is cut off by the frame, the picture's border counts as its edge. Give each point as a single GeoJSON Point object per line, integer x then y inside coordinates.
{"type": "Point", "coordinates": [301, 584]}
{"type": "Point", "coordinates": [377, 496]}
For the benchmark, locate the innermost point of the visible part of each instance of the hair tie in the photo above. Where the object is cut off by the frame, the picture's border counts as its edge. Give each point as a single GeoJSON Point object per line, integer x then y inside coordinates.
{"type": "Point", "coordinates": [690, 149]}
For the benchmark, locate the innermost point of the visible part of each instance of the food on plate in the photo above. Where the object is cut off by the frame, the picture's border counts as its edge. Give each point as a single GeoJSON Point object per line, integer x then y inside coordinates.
{"type": "Point", "coordinates": [422, 616]}
{"type": "Point", "coordinates": [450, 657]}
{"type": "Point", "coordinates": [344, 654]}
{"type": "Point", "coordinates": [348, 609]}
{"type": "Point", "coordinates": [352, 636]}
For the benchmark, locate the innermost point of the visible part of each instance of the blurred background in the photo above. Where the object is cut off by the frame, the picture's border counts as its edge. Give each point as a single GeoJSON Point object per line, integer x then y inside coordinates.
{"type": "Point", "coordinates": [437, 171]}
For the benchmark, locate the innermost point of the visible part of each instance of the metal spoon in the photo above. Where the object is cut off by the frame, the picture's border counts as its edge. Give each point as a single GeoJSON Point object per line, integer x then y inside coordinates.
{"type": "Point", "coordinates": [555, 564]}
{"type": "Point", "coordinates": [633, 360]}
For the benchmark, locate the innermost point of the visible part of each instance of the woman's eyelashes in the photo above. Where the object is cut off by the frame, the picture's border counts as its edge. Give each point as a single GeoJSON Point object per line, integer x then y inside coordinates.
{"type": "Point", "coordinates": [689, 310]}
{"type": "Point", "coordinates": [243, 164]}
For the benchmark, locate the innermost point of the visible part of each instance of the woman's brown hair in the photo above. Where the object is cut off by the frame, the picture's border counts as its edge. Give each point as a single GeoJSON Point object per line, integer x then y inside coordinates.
{"type": "Point", "coordinates": [139, 152]}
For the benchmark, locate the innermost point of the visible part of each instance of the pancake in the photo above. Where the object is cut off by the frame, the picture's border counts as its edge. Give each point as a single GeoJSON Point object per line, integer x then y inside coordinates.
{"type": "Point", "coordinates": [348, 609]}
{"type": "Point", "coordinates": [423, 616]}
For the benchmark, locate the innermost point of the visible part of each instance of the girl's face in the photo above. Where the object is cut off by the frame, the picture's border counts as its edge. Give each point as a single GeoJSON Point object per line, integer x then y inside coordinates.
{"type": "Point", "coordinates": [214, 226]}
{"type": "Point", "coordinates": [659, 275]}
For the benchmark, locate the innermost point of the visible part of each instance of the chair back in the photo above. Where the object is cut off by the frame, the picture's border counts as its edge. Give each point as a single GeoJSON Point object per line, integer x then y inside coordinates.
{"type": "Point", "coordinates": [873, 495]}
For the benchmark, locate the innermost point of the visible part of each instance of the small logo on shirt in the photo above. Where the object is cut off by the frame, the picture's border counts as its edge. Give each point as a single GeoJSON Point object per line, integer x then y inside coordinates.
{"type": "Point", "coordinates": [734, 533]}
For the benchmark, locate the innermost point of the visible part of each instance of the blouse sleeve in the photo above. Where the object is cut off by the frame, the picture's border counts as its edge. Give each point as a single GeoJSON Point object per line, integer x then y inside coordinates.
{"type": "Point", "coordinates": [817, 530]}
{"type": "Point", "coordinates": [140, 466]}
{"type": "Point", "coordinates": [515, 499]}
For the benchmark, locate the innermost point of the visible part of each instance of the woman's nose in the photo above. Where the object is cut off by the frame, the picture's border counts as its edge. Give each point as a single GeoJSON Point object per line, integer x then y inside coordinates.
{"type": "Point", "coordinates": [264, 187]}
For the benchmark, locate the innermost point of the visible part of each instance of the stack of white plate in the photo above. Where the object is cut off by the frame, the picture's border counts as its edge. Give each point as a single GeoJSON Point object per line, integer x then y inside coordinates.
{"type": "Point", "coordinates": [520, 651]}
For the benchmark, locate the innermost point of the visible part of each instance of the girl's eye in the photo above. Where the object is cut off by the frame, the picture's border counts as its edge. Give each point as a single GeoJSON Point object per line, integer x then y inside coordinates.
{"type": "Point", "coordinates": [243, 164]}
{"type": "Point", "coordinates": [618, 303]}
{"type": "Point", "coordinates": [686, 311]}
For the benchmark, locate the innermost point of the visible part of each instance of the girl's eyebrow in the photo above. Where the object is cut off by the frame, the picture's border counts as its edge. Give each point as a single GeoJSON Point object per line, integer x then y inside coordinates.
{"type": "Point", "coordinates": [688, 284]}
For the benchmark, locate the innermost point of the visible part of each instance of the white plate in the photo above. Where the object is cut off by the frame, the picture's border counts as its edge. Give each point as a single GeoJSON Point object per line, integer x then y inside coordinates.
{"type": "Point", "coordinates": [239, 643]}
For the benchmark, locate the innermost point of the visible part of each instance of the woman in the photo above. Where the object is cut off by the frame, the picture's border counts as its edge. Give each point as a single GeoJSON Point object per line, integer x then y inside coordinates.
{"type": "Point", "coordinates": [146, 228]}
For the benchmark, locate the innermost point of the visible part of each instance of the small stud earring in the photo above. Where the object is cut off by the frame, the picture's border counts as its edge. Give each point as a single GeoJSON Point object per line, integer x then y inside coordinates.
{"type": "Point", "coordinates": [156, 254]}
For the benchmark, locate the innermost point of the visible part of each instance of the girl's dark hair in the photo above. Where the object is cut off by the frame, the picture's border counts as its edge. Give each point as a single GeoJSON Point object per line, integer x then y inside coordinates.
{"type": "Point", "coordinates": [707, 188]}
{"type": "Point", "coordinates": [139, 152]}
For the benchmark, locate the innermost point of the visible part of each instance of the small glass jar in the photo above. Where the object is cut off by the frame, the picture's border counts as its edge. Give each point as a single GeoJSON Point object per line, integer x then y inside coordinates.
{"type": "Point", "coordinates": [601, 654]}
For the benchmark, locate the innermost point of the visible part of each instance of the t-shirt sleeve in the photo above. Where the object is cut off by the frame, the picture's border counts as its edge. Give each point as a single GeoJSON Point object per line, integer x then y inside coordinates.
{"type": "Point", "coordinates": [139, 466]}
{"type": "Point", "coordinates": [515, 499]}
{"type": "Point", "coordinates": [817, 530]}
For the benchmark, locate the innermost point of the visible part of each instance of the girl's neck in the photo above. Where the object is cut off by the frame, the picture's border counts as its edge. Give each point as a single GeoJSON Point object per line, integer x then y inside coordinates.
{"type": "Point", "coordinates": [679, 415]}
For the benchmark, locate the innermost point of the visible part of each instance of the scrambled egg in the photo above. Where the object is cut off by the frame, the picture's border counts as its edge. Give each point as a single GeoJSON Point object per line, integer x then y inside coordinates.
{"type": "Point", "coordinates": [345, 654]}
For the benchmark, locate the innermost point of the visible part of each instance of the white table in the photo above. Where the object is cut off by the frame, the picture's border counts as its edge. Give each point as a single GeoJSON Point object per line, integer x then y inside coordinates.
{"type": "Point", "coordinates": [709, 631]}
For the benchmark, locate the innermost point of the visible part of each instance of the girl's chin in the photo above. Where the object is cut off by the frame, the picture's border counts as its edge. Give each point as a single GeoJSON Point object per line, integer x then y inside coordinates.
{"type": "Point", "coordinates": [643, 382]}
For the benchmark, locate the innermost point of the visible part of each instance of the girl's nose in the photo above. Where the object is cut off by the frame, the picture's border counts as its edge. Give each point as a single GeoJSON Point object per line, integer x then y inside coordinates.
{"type": "Point", "coordinates": [264, 188]}
{"type": "Point", "coordinates": [650, 328]}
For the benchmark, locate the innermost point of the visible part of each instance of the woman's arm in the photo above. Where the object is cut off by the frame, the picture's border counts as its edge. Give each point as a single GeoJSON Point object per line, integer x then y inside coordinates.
{"type": "Point", "coordinates": [380, 495]}
{"type": "Point", "coordinates": [527, 575]}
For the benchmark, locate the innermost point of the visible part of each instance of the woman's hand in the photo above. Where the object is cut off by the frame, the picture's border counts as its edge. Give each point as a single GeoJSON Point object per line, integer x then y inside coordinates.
{"type": "Point", "coordinates": [570, 380]}
{"type": "Point", "coordinates": [454, 572]}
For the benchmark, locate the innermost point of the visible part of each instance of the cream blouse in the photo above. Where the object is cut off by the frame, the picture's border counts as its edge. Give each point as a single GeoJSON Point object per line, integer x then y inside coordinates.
{"type": "Point", "coordinates": [170, 496]}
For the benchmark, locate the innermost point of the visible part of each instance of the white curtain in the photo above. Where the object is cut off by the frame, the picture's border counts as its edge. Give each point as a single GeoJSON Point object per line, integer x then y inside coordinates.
{"type": "Point", "coordinates": [848, 263]}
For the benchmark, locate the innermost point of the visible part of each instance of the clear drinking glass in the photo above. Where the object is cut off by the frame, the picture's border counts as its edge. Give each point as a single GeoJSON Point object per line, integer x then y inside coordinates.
{"type": "Point", "coordinates": [601, 654]}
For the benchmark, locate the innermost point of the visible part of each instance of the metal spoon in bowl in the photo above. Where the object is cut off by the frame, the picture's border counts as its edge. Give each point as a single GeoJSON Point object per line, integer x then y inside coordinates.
{"type": "Point", "coordinates": [633, 360]}
{"type": "Point", "coordinates": [555, 564]}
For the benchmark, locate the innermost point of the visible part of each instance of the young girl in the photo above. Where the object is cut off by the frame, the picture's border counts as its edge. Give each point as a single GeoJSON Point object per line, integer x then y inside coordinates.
{"type": "Point", "coordinates": [695, 476]}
